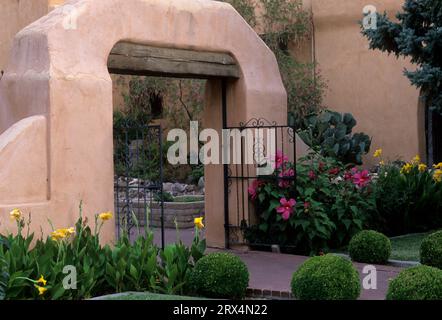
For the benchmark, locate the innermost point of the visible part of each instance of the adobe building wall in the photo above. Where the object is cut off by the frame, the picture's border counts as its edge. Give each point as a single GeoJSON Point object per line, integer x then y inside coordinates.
{"type": "Point", "coordinates": [15, 15]}
{"type": "Point", "coordinates": [370, 84]}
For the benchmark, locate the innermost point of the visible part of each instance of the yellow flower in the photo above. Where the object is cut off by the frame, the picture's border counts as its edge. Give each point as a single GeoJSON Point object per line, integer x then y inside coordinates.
{"type": "Point", "coordinates": [438, 166]}
{"type": "Point", "coordinates": [42, 280]}
{"type": "Point", "coordinates": [105, 216]}
{"type": "Point", "coordinates": [199, 222]}
{"type": "Point", "coordinates": [382, 162]}
{"type": "Point", "coordinates": [438, 175]}
{"type": "Point", "coordinates": [422, 167]}
{"type": "Point", "coordinates": [15, 214]}
{"type": "Point", "coordinates": [62, 233]}
{"type": "Point", "coordinates": [377, 153]}
{"type": "Point", "coordinates": [58, 234]}
{"type": "Point", "coordinates": [416, 160]}
{"type": "Point", "coordinates": [406, 168]}
{"type": "Point", "coordinates": [41, 290]}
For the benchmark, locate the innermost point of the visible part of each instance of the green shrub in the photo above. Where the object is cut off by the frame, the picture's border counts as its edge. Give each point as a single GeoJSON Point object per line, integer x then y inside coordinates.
{"type": "Point", "coordinates": [431, 250]}
{"type": "Point", "coordinates": [417, 283]}
{"type": "Point", "coordinates": [220, 275]}
{"type": "Point", "coordinates": [326, 277]}
{"type": "Point", "coordinates": [370, 247]}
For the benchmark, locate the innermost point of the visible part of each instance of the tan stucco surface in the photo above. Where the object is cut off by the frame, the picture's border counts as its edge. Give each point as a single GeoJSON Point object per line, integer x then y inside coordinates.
{"type": "Point", "coordinates": [15, 15]}
{"type": "Point", "coordinates": [370, 84]}
{"type": "Point", "coordinates": [66, 80]}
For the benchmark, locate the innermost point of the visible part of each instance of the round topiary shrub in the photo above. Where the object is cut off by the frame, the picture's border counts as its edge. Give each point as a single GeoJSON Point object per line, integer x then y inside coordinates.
{"type": "Point", "coordinates": [220, 275]}
{"type": "Point", "coordinates": [369, 246]}
{"type": "Point", "coordinates": [431, 250]}
{"type": "Point", "coordinates": [417, 283]}
{"type": "Point", "coordinates": [326, 277]}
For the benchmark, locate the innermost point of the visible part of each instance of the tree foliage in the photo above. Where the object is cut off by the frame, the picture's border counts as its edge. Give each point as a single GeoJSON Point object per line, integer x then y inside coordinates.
{"type": "Point", "coordinates": [416, 34]}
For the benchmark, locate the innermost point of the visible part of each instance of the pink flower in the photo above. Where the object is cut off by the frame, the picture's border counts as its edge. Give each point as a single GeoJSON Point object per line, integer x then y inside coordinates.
{"type": "Point", "coordinates": [280, 159]}
{"type": "Point", "coordinates": [286, 208]}
{"type": "Point", "coordinates": [286, 174]}
{"type": "Point", "coordinates": [362, 178]}
{"type": "Point", "coordinates": [312, 175]}
{"type": "Point", "coordinates": [253, 189]}
{"type": "Point", "coordinates": [348, 176]}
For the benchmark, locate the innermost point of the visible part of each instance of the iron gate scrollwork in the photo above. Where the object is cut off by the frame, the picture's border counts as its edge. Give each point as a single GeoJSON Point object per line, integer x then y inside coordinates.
{"type": "Point", "coordinates": [241, 213]}
{"type": "Point", "coordinates": [138, 167]}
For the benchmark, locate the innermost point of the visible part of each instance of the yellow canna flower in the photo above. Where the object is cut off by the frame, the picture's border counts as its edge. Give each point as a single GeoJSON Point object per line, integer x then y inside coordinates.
{"type": "Point", "coordinates": [42, 280]}
{"type": "Point", "coordinates": [406, 168]}
{"type": "Point", "coordinates": [41, 290]}
{"type": "Point", "coordinates": [438, 175]}
{"type": "Point", "coordinates": [62, 233]}
{"type": "Point", "coordinates": [416, 160]}
{"type": "Point", "coordinates": [422, 167]}
{"type": "Point", "coordinates": [15, 214]}
{"type": "Point", "coordinates": [199, 223]}
{"type": "Point", "coordinates": [377, 153]}
{"type": "Point", "coordinates": [105, 216]}
{"type": "Point", "coordinates": [58, 235]}
{"type": "Point", "coordinates": [438, 166]}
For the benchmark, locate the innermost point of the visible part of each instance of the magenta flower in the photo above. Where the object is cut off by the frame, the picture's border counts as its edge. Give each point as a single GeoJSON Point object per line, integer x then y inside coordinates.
{"type": "Point", "coordinates": [253, 189]}
{"type": "Point", "coordinates": [334, 171]}
{"type": "Point", "coordinates": [280, 159]}
{"type": "Point", "coordinates": [348, 176]}
{"type": "Point", "coordinates": [286, 174]}
{"type": "Point", "coordinates": [286, 208]}
{"type": "Point", "coordinates": [361, 178]}
{"type": "Point", "coordinates": [312, 175]}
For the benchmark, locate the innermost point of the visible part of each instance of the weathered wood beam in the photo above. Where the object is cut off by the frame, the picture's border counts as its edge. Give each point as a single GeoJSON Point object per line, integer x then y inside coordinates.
{"type": "Point", "coordinates": [136, 59]}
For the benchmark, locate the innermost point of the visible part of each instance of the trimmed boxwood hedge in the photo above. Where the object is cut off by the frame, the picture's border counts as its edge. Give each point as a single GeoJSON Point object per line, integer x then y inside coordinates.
{"type": "Point", "coordinates": [370, 246]}
{"type": "Point", "coordinates": [219, 275]}
{"type": "Point", "coordinates": [417, 283]}
{"type": "Point", "coordinates": [431, 250]}
{"type": "Point", "coordinates": [326, 277]}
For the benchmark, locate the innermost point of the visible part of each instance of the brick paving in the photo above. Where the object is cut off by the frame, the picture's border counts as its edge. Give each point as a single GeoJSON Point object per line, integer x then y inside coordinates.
{"type": "Point", "coordinates": [271, 273]}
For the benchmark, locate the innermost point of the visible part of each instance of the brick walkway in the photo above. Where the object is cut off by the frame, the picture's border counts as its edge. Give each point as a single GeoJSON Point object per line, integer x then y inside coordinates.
{"type": "Point", "coordinates": [271, 273]}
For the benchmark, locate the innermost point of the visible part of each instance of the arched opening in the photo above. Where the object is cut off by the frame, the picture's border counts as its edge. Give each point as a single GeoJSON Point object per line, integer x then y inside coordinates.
{"type": "Point", "coordinates": [149, 192]}
{"type": "Point", "coordinates": [57, 102]}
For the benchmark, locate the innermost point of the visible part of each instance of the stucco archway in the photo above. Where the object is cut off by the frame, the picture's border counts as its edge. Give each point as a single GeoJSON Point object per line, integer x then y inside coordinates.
{"type": "Point", "coordinates": [56, 100]}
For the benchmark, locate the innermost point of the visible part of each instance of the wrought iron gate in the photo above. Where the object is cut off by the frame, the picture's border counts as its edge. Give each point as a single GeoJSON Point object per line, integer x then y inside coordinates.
{"type": "Point", "coordinates": [240, 213]}
{"type": "Point", "coordinates": [138, 161]}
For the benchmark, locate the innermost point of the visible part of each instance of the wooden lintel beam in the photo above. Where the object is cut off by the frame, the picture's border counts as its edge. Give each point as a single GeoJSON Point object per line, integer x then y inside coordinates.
{"type": "Point", "coordinates": [136, 59]}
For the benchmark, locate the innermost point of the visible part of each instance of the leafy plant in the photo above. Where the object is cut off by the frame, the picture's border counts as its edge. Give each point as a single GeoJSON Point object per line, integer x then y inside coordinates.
{"type": "Point", "coordinates": [326, 277]}
{"type": "Point", "coordinates": [325, 208]}
{"type": "Point", "coordinates": [330, 134]}
{"type": "Point", "coordinates": [431, 250]}
{"type": "Point", "coordinates": [4, 274]}
{"type": "Point", "coordinates": [408, 198]}
{"type": "Point", "coordinates": [220, 275]}
{"type": "Point", "coordinates": [369, 246]}
{"type": "Point", "coordinates": [416, 283]}
{"type": "Point", "coordinates": [39, 271]}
